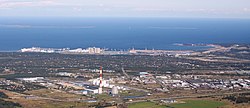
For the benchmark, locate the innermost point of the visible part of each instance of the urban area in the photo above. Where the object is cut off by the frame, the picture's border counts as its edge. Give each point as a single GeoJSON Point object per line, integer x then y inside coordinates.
{"type": "Point", "coordinates": [103, 78]}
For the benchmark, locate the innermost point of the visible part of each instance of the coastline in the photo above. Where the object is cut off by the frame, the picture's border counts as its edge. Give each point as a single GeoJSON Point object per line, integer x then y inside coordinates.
{"type": "Point", "coordinates": [171, 47]}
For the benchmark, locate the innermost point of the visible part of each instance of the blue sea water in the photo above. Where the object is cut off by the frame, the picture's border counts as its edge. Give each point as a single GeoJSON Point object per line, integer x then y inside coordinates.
{"type": "Point", "coordinates": [120, 33]}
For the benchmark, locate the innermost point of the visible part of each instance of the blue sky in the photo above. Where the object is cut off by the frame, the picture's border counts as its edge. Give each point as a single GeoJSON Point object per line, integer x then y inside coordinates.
{"type": "Point", "coordinates": [126, 8]}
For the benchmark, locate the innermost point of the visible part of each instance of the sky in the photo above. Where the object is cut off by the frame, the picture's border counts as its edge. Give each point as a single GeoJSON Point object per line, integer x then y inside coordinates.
{"type": "Point", "coordinates": [125, 8]}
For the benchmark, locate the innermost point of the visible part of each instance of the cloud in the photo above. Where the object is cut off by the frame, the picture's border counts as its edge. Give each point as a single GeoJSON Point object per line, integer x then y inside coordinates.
{"type": "Point", "coordinates": [173, 28]}
{"type": "Point", "coordinates": [213, 8]}
{"type": "Point", "coordinates": [77, 9]}
{"type": "Point", "coordinates": [45, 26]}
{"type": "Point", "coordinates": [246, 9]}
{"type": "Point", "coordinates": [36, 3]}
{"type": "Point", "coordinates": [153, 9]}
{"type": "Point", "coordinates": [15, 26]}
{"type": "Point", "coordinates": [201, 10]}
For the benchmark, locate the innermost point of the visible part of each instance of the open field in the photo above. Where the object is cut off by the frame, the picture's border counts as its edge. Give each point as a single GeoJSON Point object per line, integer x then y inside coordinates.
{"type": "Point", "coordinates": [42, 103]}
{"type": "Point", "coordinates": [197, 104]}
{"type": "Point", "coordinates": [55, 94]}
{"type": "Point", "coordinates": [245, 105]}
{"type": "Point", "coordinates": [145, 105]}
{"type": "Point", "coordinates": [46, 101]}
{"type": "Point", "coordinates": [185, 104]}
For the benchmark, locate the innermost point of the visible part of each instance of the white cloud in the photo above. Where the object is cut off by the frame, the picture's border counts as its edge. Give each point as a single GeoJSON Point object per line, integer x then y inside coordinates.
{"type": "Point", "coordinates": [34, 3]}
{"type": "Point", "coordinates": [124, 7]}
{"type": "Point", "coordinates": [173, 28]}
{"type": "Point", "coordinates": [153, 9]}
{"type": "Point", "coordinates": [44, 26]}
{"type": "Point", "coordinates": [246, 9]}
{"type": "Point", "coordinates": [77, 9]}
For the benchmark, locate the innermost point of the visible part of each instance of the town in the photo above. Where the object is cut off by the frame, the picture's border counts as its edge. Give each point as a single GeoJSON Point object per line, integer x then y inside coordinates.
{"type": "Point", "coordinates": [95, 78]}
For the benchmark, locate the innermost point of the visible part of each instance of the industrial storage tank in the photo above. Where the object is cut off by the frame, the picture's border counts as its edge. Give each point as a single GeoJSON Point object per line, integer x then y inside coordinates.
{"type": "Point", "coordinates": [114, 91]}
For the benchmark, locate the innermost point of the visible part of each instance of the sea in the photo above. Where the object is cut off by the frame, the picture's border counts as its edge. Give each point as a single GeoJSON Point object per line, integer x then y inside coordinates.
{"type": "Point", "coordinates": [120, 33]}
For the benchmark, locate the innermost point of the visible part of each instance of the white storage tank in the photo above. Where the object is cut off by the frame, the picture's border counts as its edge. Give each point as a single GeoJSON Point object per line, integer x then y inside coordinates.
{"type": "Point", "coordinates": [114, 91]}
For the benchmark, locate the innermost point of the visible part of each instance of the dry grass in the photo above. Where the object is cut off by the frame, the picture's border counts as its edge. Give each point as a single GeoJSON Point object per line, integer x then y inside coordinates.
{"type": "Point", "coordinates": [46, 102]}
{"type": "Point", "coordinates": [55, 94]}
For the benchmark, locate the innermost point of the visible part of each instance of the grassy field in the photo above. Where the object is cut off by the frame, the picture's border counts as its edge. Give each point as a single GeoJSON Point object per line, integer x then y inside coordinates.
{"type": "Point", "coordinates": [132, 93]}
{"type": "Point", "coordinates": [55, 94]}
{"type": "Point", "coordinates": [187, 104]}
{"type": "Point", "coordinates": [145, 105]}
{"type": "Point", "coordinates": [49, 104]}
{"type": "Point", "coordinates": [197, 104]}
{"type": "Point", "coordinates": [46, 103]}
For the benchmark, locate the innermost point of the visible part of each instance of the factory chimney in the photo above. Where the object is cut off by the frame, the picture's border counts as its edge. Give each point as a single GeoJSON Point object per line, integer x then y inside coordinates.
{"type": "Point", "coordinates": [100, 84]}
